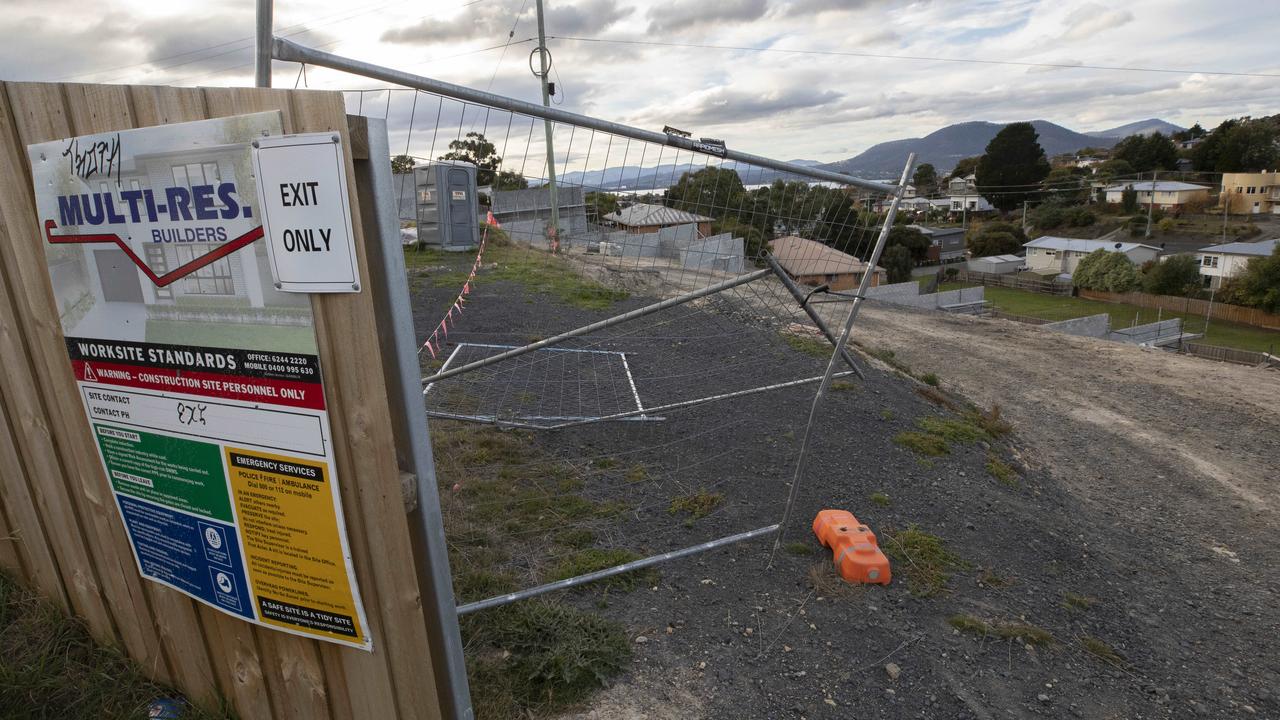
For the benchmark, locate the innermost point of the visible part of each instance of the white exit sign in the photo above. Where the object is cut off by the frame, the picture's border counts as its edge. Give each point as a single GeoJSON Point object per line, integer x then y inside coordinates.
{"type": "Point", "coordinates": [306, 214]}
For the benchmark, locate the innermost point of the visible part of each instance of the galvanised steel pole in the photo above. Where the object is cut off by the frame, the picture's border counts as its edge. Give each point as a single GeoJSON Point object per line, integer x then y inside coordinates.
{"type": "Point", "coordinates": [290, 51]}
{"type": "Point", "coordinates": [262, 56]}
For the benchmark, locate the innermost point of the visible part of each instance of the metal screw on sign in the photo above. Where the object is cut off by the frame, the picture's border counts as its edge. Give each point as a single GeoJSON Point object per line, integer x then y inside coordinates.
{"type": "Point", "coordinates": [278, 286]}
{"type": "Point", "coordinates": [355, 286]}
{"type": "Point", "coordinates": [255, 143]}
{"type": "Point", "coordinates": [335, 138]}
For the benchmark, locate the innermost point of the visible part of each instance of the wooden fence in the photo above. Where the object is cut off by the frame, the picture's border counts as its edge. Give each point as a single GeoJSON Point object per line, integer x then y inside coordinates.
{"type": "Point", "coordinates": [59, 529]}
{"type": "Point", "coordinates": [1011, 280]}
{"type": "Point", "coordinates": [1169, 303]}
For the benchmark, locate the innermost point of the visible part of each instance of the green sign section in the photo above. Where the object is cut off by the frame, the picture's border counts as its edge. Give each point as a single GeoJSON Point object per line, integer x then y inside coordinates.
{"type": "Point", "coordinates": [181, 474]}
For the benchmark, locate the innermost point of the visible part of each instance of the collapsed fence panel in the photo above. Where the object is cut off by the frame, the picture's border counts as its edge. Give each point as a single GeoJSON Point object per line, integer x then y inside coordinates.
{"type": "Point", "coordinates": [72, 544]}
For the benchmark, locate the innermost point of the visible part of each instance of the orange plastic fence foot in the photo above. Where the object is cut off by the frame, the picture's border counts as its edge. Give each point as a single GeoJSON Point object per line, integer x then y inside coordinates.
{"type": "Point", "coordinates": [853, 546]}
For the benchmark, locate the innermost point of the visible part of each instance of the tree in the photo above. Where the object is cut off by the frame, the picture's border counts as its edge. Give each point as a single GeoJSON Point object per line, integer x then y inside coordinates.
{"type": "Point", "coordinates": [896, 261]}
{"type": "Point", "coordinates": [477, 150]}
{"type": "Point", "coordinates": [925, 179]}
{"type": "Point", "coordinates": [1243, 145]}
{"type": "Point", "coordinates": [1129, 199]}
{"type": "Point", "coordinates": [1147, 152]}
{"type": "Point", "coordinates": [1259, 285]}
{"type": "Point", "coordinates": [994, 238]}
{"type": "Point", "coordinates": [916, 242]}
{"type": "Point", "coordinates": [1113, 168]}
{"type": "Point", "coordinates": [509, 180]}
{"type": "Point", "coordinates": [1065, 185]}
{"type": "Point", "coordinates": [713, 191]}
{"type": "Point", "coordinates": [1012, 167]}
{"type": "Point", "coordinates": [1177, 275]}
{"type": "Point", "coordinates": [600, 204]}
{"type": "Point", "coordinates": [1107, 271]}
{"type": "Point", "coordinates": [964, 168]}
{"type": "Point", "coordinates": [401, 164]}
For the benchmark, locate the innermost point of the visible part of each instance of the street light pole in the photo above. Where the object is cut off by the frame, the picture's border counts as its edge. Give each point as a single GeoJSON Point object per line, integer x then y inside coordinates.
{"type": "Point", "coordinates": [544, 65]}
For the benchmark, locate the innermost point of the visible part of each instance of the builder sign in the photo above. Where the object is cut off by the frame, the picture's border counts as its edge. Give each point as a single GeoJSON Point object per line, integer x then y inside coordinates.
{"type": "Point", "coordinates": [200, 379]}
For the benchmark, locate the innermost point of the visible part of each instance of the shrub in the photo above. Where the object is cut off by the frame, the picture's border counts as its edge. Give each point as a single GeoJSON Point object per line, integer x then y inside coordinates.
{"type": "Point", "coordinates": [1167, 225]}
{"type": "Point", "coordinates": [1177, 275]}
{"type": "Point", "coordinates": [1107, 271]}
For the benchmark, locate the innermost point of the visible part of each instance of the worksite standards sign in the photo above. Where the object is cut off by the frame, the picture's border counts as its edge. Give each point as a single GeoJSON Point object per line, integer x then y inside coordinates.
{"type": "Point", "coordinates": [200, 379]}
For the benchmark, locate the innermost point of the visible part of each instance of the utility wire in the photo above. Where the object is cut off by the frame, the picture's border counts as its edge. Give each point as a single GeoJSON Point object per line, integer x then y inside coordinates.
{"type": "Point", "coordinates": [510, 34]}
{"type": "Point", "coordinates": [923, 58]}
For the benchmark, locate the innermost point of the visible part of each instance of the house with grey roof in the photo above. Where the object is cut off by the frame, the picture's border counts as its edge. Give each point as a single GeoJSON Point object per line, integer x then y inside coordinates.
{"type": "Point", "coordinates": [1061, 255]}
{"type": "Point", "coordinates": [1219, 262]}
{"type": "Point", "coordinates": [1168, 195]}
{"type": "Point", "coordinates": [640, 218]}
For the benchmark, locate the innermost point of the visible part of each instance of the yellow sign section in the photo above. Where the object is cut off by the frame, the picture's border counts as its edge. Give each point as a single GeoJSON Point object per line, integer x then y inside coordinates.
{"type": "Point", "coordinates": [292, 545]}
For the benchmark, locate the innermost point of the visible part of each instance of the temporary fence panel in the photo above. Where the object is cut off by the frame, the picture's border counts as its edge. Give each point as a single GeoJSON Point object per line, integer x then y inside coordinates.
{"type": "Point", "coordinates": [58, 504]}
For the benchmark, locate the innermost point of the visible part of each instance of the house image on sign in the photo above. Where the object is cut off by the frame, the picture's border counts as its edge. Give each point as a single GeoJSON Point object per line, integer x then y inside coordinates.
{"type": "Point", "coordinates": [99, 283]}
{"type": "Point", "coordinates": [1219, 262]}
{"type": "Point", "coordinates": [1057, 255]}
{"type": "Point", "coordinates": [811, 263]}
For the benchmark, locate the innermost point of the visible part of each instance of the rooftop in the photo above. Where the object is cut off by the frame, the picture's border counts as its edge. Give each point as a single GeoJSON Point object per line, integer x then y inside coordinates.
{"type": "Point", "coordinates": [1084, 246]}
{"type": "Point", "coordinates": [1161, 186]}
{"type": "Point", "coordinates": [799, 256]}
{"type": "Point", "coordinates": [1261, 248]}
{"type": "Point", "coordinates": [644, 214]}
{"type": "Point", "coordinates": [999, 259]}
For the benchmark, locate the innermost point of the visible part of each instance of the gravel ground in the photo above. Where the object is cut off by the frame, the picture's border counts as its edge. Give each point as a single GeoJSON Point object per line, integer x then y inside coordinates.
{"type": "Point", "coordinates": [1147, 486]}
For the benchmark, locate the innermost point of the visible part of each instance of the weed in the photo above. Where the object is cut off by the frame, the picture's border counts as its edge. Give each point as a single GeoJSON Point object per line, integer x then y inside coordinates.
{"type": "Point", "coordinates": [808, 345]}
{"type": "Point", "coordinates": [989, 578]}
{"type": "Point", "coordinates": [930, 379]}
{"type": "Point", "coordinates": [922, 443]}
{"type": "Point", "coordinates": [937, 397]}
{"type": "Point", "coordinates": [539, 656]}
{"type": "Point", "coordinates": [1013, 630]}
{"type": "Point", "coordinates": [798, 548]}
{"type": "Point", "coordinates": [886, 414]}
{"type": "Point", "coordinates": [789, 435]}
{"type": "Point", "coordinates": [470, 585]}
{"type": "Point", "coordinates": [604, 463]}
{"type": "Point", "coordinates": [886, 356]}
{"type": "Point", "coordinates": [1077, 602]}
{"type": "Point", "coordinates": [880, 499]}
{"type": "Point", "coordinates": [698, 505]}
{"type": "Point", "coordinates": [592, 559]}
{"type": "Point", "coordinates": [51, 667]}
{"type": "Point", "coordinates": [575, 538]}
{"type": "Point", "coordinates": [990, 421]}
{"type": "Point", "coordinates": [843, 386]}
{"type": "Point", "coordinates": [1001, 471]}
{"type": "Point", "coordinates": [953, 430]}
{"type": "Point", "coordinates": [826, 582]}
{"type": "Point", "coordinates": [1102, 651]}
{"type": "Point", "coordinates": [927, 562]}
{"type": "Point", "coordinates": [637, 474]}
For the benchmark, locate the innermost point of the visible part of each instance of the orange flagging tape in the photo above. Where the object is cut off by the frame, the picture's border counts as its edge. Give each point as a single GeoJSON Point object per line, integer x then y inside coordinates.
{"type": "Point", "coordinates": [853, 546]}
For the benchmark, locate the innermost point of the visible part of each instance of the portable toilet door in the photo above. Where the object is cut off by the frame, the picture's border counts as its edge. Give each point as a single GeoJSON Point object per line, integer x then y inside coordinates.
{"type": "Point", "coordinates": [464, 208]}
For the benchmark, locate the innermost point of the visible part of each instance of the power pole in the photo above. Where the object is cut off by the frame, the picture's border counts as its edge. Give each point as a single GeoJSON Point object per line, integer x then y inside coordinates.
{"type": "Point", "coordinates": [1151, 206]}
{"type": "Point", "coordinates": [1024, 216]}
{"type": "Point", "coordinates": [262, 53]}
{"type": "Point", "coordinates": [544, 62]}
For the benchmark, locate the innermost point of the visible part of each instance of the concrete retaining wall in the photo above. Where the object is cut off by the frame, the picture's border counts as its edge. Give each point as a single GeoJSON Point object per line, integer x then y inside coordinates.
{"type": "Point", "coordinates": [1096, 326]}
{"type": "Point", "coordinates": [723, 253]}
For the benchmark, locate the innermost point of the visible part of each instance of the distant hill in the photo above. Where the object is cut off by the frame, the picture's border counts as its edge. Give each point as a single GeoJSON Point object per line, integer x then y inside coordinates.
{"type": "Point", "coordinates": [944, 148]}
{"type": "Point", "coordinates": [1141, 127]}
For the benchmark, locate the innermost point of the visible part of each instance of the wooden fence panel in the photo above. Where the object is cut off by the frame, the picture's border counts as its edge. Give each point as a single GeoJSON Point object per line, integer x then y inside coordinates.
{"type": "Point", "coordinates": [88, 562]}
{"type": "Point", "coordinates": [1169, 303]}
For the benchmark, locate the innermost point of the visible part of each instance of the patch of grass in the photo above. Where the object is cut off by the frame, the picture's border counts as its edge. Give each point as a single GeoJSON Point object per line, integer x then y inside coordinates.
{"type": "Point", "coordinates": [938, 397]}
{"type": "Point", "coordinates": [922, 443]}
{"type": "Point", "coordinates": [535, 270]}
{"type": "Point", "coordinates": [1102, 651]}
{"type": "Point", "coordinates": [798, 548]}
{"type": "Point", "coordinates": [888, 357]}
{"type": "Point", "coordinates": [50, 667]}
{"type": "Point", "coordinates": [593, 559]}
{"type": "Point", "coordinates": [604, 463]}
{"type": "Point", "coordinates": [1001, 471]}
{"type": "Point", "coordinates": [951, 430]}
{"type": "Point", "coordinates": [537, 657]}
{"type": "Point", "coordinates": [930, 379]}
{"type": "Point", "coordinates": [809, 345]}
{"type": "Point", "coordinates": [471, 585]}
{"type": "Point", "coordinates": [575, 538]}
{"type": "Point", "coordinates": [880, 499]}
{"type": "Point", "coordinates": [922, 558]}
{"type": "Point", "coordinates": [1012, 630]}
{"type": "Point", "coordinates": [843, 386]}
{"type": "Point", "coordinates": [826, 582]}
{"type": "Point", "coordinates": [989, 578]}
{"type": "Point", "coordinates": [886, 414]}
{"type": "Point", "coordinates": [990, 421]}
{"type": "Point", "coordinates": [698, 505]}
{"type": "Point", "coordinates": [637, 474]}
{"type": "Point", "coordinates": [1077, 602]}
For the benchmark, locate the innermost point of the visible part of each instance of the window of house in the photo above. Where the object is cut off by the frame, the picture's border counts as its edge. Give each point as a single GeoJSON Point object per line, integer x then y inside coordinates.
{"type": "Point", "coordinates": [1210, 261]}
{"type": "Point", "coordinates": [1250, 190]}
{"type": "Point", "coordinates": [212, 279]}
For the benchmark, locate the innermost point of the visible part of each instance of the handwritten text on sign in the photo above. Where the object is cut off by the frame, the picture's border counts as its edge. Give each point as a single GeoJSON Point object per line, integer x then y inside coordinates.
{"type": "Point", "coordinates": [306, 214]}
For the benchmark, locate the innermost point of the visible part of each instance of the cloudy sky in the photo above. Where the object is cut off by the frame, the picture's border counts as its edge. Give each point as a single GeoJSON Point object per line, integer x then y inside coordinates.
{"type": "Point", "coordinates": [870, 70]}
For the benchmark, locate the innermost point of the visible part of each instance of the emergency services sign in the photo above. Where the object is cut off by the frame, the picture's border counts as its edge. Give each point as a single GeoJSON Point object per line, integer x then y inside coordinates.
{"type": "Point", "coordinates": [200, 379]}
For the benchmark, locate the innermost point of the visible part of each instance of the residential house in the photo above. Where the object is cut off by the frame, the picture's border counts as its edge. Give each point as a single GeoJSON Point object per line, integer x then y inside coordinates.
{"type": "Point", "coordinates": [1252, 193]}
{"type": "Point", "coordinates": [812, 263]}
{"type": "Point", "coordinates": [1060, 255]}
{"type": "Point", "coordinates": [963, 197]}
{"type": "Point", "coordinates": [1169, 195]}
{"type": "Point", "coordinates": [1219, 262]}
{"type": "Point", "coordinates": [946, 244]}
{"type": "Point", "coordinates": [642, 218]}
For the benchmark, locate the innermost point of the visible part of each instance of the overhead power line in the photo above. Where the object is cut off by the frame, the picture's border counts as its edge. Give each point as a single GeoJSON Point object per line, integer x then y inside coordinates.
{"type": "Point", "coordinates": [923, 58]}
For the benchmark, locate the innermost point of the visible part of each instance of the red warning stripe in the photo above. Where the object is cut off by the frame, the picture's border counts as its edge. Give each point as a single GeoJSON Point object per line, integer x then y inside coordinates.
{"type": "Point", "coordinates": [159, 280]}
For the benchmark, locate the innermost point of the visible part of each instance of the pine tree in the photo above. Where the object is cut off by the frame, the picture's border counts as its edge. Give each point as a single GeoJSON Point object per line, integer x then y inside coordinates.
{"type": "Point", "coordinates": [1012, 167]}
